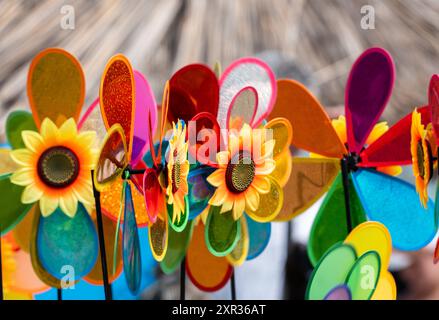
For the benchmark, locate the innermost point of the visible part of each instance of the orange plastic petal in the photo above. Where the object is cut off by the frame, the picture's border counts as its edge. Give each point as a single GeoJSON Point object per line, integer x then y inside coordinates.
{"type": "Point", "coordinates": [55, 86]}
{"type": "Point", "coordinates": [309, 180]}
{"type": "Point", "coordinates": [117, 97]}
{"type": "Point", "coordinates": [312, 127]}
{"type": "Point", "coordinates": [207, 272]}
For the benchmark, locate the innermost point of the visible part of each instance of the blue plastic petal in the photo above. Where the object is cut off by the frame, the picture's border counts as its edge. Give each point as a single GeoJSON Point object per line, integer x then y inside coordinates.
{"type": "Point", "coordinates": [259, 236]}
{"type": "Point", "coordinates": [200, 191]}
{"type": "Point", "coordinates": [132, 264]}
{"type": "Point", "coordinates": [396, 204]}
{"type": "Point", "coordinates": [67, 246]}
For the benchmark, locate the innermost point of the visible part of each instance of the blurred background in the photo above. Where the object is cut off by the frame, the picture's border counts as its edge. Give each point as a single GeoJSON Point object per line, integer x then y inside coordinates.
{"type": "Point", "coordinates": [313, 41]}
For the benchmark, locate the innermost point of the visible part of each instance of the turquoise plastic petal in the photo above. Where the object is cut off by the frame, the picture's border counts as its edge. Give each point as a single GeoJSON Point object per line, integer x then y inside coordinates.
{"type": "Point", "coordinates": [17, 122]}
{"type": "Point", "coordinates": [12, 210]}
{"type": "Point", "coordinates": [259, 236]}
{"type": "Point", "coordinates": [132, 264]}
{"type": "Point", "coordinates": [396, 204]}
{"type": "Point", "coordinates": [67, 244]}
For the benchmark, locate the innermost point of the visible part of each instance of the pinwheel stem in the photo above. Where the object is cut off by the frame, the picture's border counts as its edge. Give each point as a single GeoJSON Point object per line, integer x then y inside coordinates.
{"type": "Point", "coordinates": [345, 178]}
{"type": "Point", "coordinates": [183, 279]}
{"type": "Point", "coordinates": [103, 254]}
{"type": "Point", "coordinates": [233, 285]}
{"type": "Point", "coordinates": [59, 294]}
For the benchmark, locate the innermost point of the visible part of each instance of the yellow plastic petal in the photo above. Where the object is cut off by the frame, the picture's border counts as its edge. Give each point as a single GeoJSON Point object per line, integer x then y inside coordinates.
{"type": "Point", "coordinates": [69, 204]}
{"type": "Point", "coordinates": [282, 170]}
{"type": "Point", "coordinates": [32, 140]}
{"type": "Point", "coordinates": [239, 254]}
{"type": "Point", "coordinates": [282, 133]}
{"type": "Point", "coordinates": [31, 194]}
{"type": "Point", "coordinates": [266, 168]}
{"type": "Point", "coordinates": [269, 205]}
{"type": "Point", "coordinates": [48, 205]}
{"type": "Point", "coordinates": [22, 177]}
{"type": "Point", "coordinates": [377, 131]}
{"type": "Point", "coordinates": [386, 288]}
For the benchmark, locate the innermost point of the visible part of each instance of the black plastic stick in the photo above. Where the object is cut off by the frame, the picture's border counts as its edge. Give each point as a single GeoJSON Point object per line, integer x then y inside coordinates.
{"type": "Point", "coordinates": [233, 285]}
{"type": "Point", "coordinates": [345, 178]}
{"type": "Point", "coordinates": [107, 285]}
{"type": "Point", "coordinates": [59, 294]}
{"type": "Point", "coordinates": [183, 280]}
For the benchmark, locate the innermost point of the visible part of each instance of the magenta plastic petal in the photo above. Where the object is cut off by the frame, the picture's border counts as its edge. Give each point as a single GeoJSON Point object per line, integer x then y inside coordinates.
{"type": "Point", "coordinates": [433, 102]}
{"type": "Point", "coordinates": [145, 103]}
{"type": "Point", "coordinates": [368, 90]}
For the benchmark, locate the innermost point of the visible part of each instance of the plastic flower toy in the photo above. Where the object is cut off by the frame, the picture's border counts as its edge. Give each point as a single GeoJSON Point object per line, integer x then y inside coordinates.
{"type": "Point", "coordinates": [355, 269]}
{"type": "Point", "coordinates": [423, 149]}
{"type": "Point", "coordinates": [51, 182]}
{"type": "Point", "coordinates": [368, 89]}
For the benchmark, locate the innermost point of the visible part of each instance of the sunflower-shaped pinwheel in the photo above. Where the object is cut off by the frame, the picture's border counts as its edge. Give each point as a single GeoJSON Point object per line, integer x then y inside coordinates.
{"type": "Point", "coordinates": [355, 269]}
{"type": "Point", "coordinates": [51, 182]}
{"type": "Point", "coordinates": [243, 176]}
{"type": "Point", "coordinates": [368, 192]}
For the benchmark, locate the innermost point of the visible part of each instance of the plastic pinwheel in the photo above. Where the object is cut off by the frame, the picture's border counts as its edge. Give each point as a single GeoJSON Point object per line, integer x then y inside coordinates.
{"type": "Point", "coordinates": [46, 197]}
{"type": "Point", "coordinates": [232, 203]}
{"type": "Point", "coordinates": [355, 269]}
{"type": "Point", "coordinates": [368, 90]}
{"type": "Point", "coordinates": [126, 101]}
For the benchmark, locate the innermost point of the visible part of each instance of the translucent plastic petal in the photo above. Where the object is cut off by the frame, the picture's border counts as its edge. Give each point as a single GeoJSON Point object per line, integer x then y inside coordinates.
{"type": "Point", "coordinates": [200, 191]}
{"type": "Point", "coordinates": [55, 86]}
{"type": "Point", "coordinates": [340, 292]}
{"type": "Point", "coordinates": [95, 275]}
{"type": "Point", "coordinates": [368, 90]}
{"type": "Point", "coordinates": [363, 277]}
{"type": "Point", "coordinates": [239, 254]}
{"type": "Point", "coordinates": [433, 102]}
{"type": "Point", "coordinates": [243, 108]}
{"type": "Point", "coordinates": [282, 133]}
{"type": "Point", "coordinates": [331, 271]}
{"type": "Point", "coordinates": [132, 263]}
{"type": "Point", "coordinates": [113, 158]}
{"type": "Point", "coordinates": [393, 147]}
{"type": "Point", "coordinates": [259, 236]}
{"type": "Point", "coordinates": [63, 241]}
{"type": "Point", "coordinates": [330, 225]}
{"type": "Point", "coordinates": [117, 97]}
{"type": "Point", "coordinates": [222, 232]}
{"type": "Point", "coordinates": [283, 168]}
{"type": "Point", "coordinates": [158, 237]}
{"type": "Point", "coordinates": [313, 130]}
{"type": "Point", "coordinates": [195, 87]}
{"type": "Point", "coordinates": [16, 122]}
{"type": "Point", "coordinates": [410, 225]}
{"type": "Point", "coordinates": [245, 73]}
{"type": "Point", "coordinates": [386, 287]}
{"type": "Point", "coordinates": [92, 120]}
{"type": "Point", "coordinates": [270, 204]}
{"type": "Point", "coordinates": [206, 271]}
{"type": "Point", "coordinates": [23, 230]}
{"type": "Point", "coordinates": [309, 180]}
{"type": "Point", "coordinates": [372, 236]}
{"type": "Point", "coordinates": [145, 104]}
{"type": "Point", "coordinates": [177, 246]}
{"type": "Point", "coordinates": [12, 209]}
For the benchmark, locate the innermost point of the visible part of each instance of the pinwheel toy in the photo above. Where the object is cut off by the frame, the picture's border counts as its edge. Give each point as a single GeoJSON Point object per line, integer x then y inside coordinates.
{"type": "Point", "coordinates": [47, 199]}
{"type": "Point", "coordinates": [355, 269]}
{"type": "Point", "coordinates": [126, 103]}
{"type": "Point", "coordinates": [355, 191]}
{"type": "Point", "coordinates": [220, 190]}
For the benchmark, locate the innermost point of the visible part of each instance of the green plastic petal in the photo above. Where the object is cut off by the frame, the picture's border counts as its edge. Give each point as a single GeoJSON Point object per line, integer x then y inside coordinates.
{"type": "Point", "coordinates": [330, 225]}
{"type": "Point", "coordinates": [363, 278]}
{"type": "Point", "coordinates": [179, 226]}
{"type": "Point", "coordinates": [17, 122]}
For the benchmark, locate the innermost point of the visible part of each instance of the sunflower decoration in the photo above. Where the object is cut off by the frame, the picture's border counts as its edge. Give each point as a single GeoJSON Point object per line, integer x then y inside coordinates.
{"type": "Point", "coordinates": [178, 169]}
{"type": "Point", "coordinates": [424, 152]}
{"type": "Point", "coordinates": [51, 180]}
{"type": "Point", "coordinates": [235, 181]}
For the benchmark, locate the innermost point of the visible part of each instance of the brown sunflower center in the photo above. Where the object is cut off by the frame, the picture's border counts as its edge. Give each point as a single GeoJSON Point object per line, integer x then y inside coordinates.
{"type": "Point", "coordinates": [58, 167]}
{"type": "Point", "coordinates": [176, 177]}
{"type": "Point", "coordinates": [240, 173]}
{"type": "Point", "coordinates": [422, 163]}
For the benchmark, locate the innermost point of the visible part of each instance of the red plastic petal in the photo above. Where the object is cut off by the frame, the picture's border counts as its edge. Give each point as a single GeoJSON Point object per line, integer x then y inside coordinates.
{"type": "Point", "coordinates": [433, 101]}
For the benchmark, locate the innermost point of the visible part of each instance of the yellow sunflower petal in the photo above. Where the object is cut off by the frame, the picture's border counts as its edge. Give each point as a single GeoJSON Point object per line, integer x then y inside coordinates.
{"type": "Point", "coordinates": [31, 194]}
{"type": "Point", "coordinates": [32, 140]}
{"type": "Point", "coordinates": [87, 138]}
{"type": "Point", "coordinates": [222, 158]}
{"type": "Point", "coordinates": [266, 168]}
{"type": "Point", "coordinates": [22, 157]}
{"type": "Point", "coordinates": [261, 184]}
{"type": "Point", "coordinates": [68, 129]}
{"type": "Point", "coordinates": [238, 206]}
{"type": "Point", "coordinates": [216, 178]}
{"type": "Point", "coordinates": [227, 205]}
{"type": "Point", "coordinates": [219, 196]}
{"type": "Point", "coordinates": [48, 205]}
{"type": "Point", "coordinates": [252, 199]}
{"type": "Point", "coordinates": [22, 177]}
{"type": "Point", "coordinates": [84, 193]}
{"type": "Point", "coordinates": [49, 130]}
{"type": "Point", "coordinates": [69, 204]}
